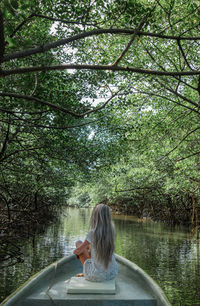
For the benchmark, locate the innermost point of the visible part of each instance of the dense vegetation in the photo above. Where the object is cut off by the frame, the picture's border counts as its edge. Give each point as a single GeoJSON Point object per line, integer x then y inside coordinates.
{"type": "Point", "coordinates": [99, 101]}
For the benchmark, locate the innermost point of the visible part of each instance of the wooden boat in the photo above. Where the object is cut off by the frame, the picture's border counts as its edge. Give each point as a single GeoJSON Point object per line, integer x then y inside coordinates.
{"type": "Point", "coordinates": [49, 287]}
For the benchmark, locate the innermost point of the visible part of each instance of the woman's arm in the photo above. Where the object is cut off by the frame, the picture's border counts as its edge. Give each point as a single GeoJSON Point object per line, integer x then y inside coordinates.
{"type": "Point", "coordinates": [85, 245]}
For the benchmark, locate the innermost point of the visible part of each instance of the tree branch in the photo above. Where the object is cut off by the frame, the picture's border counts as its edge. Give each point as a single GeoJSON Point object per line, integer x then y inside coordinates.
{"type": "Point", "coordinates": [163, 53]}
{"type": "Point", "coordinates": [101, 107]}
{"type": "Point", "coordinates": [188, 30]}
{"type": "Point", "coordinates": [36, 84]}
{"type": "Point", "coordinates": [19, 151]}
{"type": "Point", "coordinates": [132, 39]}
{"type": "Point", "coordinates": [8, 111]}
{"type": "Point", "coordinates": [5, 73]}
{"type": "Point", "coordinates": [183, 54]}
{"type": "Point", "coordinates": [44, 17]}
{"type": "Point", "coordinates": [198, 88]}
{"type": "Point", "coordinates": [56, 107]}
{"type": "Point", "coordinates": [54, 127]}
{"type": "Point", "coordinates": [5, 142]}
{"type": "Point", "coordinates": [138, 188]}
{"type": "Point", "coordinates": [38, 101]}
{"type": "Point", "coordinates": [21, 25]}
{"type": "Point", "coordinates": [169, 130]}
{"type": "Point", "coordinates": [177, 94]}
{"type": "Point", "coordinates": [29, 123]}
{"type": "Point", "coordinates": [188, 134]}
{"type": "Point", "coordinates": [163, 69]}
{"type": "Point", "coordinates": [196, 153]}
{"type": "Point", "coordinates": [86, 14]}
{"type": "Point", "coordinates": [61, 42]}
{"type": "Point", "coordinates": [182, 19]}
{"type": "Point", "coordinates": [169, 99]}
{"type": "Point", "coordinates": [184, 114]}
{"type": "Point", "coordinates": [162, 7]}
{"type": "Point", "coordinates": [62, 20]}
{"type": "Point", "coordinates": [2, 39]}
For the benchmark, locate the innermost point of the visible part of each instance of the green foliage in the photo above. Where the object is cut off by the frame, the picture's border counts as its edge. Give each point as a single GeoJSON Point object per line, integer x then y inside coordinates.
{"type": "Point", "coordinates": [59, 137]}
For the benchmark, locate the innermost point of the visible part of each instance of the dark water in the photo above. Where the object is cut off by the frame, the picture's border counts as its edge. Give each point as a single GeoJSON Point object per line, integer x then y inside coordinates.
{"type": "Point", "coordinates": [170, 256]}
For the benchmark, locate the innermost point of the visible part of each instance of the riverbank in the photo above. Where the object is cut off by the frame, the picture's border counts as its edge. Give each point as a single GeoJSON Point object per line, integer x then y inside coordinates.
{"type": "Point", "coordinates": [20, 226]}
{"type": "Point", "coordinates": [172, 212]}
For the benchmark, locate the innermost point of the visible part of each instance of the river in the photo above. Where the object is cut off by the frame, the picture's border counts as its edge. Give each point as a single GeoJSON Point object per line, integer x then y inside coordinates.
{"type": "Point", "coordinates": [170, 255]}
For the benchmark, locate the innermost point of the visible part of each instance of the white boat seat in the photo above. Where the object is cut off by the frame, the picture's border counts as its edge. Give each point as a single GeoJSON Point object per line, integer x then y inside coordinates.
{"type": "Point", "coordinates": [79, 285]}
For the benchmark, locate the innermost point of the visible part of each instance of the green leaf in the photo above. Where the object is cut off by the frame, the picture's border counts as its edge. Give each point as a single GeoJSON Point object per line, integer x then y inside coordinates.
{"type": "Point", "coordinates": [5, 12]}
{"type": "Point", "coordinates": [12, 42]}
{"type": "Point", "coordinates": [28, 43]}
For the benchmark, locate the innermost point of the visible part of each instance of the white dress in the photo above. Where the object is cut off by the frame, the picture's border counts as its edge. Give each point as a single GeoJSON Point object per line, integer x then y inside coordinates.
{"type": "Point", "coordinates": [95, 271]}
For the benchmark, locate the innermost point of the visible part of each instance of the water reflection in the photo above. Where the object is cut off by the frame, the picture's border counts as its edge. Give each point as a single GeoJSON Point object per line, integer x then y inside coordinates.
{"type": "Point", "coordinates": [170, 256]}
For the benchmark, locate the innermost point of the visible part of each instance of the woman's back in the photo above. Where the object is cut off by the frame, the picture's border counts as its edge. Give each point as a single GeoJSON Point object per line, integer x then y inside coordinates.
{"type": "Point", "coordinates": [95, 270]}
{"type": "Point", "coordinates": [101, 264]}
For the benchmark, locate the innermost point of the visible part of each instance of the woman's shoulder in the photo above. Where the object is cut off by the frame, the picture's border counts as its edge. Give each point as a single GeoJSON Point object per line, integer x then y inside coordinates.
{"type": "Point", "coordinates": [89, 235]}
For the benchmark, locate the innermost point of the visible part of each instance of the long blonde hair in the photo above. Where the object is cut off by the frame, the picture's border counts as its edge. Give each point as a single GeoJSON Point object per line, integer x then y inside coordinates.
{"type": "Point", "coordinates": [103, 233]}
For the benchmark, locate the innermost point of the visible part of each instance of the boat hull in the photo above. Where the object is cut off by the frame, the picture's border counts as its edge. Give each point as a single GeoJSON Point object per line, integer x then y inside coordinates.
{"type": "Point", "coordinates": [49, 287]}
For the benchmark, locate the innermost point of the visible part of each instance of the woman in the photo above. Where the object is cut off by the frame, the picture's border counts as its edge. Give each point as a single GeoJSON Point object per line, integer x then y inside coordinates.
{"type": "Point", "coordinates": [96, 253]}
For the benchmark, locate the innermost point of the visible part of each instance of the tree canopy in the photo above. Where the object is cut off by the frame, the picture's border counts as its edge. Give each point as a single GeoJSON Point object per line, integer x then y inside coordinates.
{"type": "Point", "coordinates": [100, 100]}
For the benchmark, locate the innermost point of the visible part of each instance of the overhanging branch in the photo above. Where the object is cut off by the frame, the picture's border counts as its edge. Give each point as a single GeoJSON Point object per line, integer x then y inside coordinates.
{"type": "Point", "coordinates": [5, 73]}
{"type": "Point", "coordinates": [29, 123]}
{"type": "Point", "coordinates": [169, 99]}
{"type": "Point", "coordinates": [48, 18]}
{"type": "Point", "coordinates": [56, 107]}
{"type": "Point", "coordinates": [132, 39]}
{"type": "Point", "coordinates": [177, 94]}
{"type": "Point", "coordinates": [38, 101]}
{"type": "Point", "coordinates": [188, 134]}
{"type": "Point", "coordinates": [191, 155]}
{"type": "Point", "coordinates": [62, 42]}
{"type": "Point", "coordinates": [183, 54]}
{"type": "Point", "coordinates": [2, 39]}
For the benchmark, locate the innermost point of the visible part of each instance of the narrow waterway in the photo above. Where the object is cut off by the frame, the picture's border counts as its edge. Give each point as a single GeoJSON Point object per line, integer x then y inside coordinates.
{"type": "Point", "coordinates": [170, 255]}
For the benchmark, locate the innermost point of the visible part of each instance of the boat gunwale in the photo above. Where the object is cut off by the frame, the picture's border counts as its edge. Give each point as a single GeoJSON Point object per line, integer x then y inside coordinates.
{"type": "Point", "coordinates": [20, 291]}
{"type": "Point", "coordinates": [154, 287]}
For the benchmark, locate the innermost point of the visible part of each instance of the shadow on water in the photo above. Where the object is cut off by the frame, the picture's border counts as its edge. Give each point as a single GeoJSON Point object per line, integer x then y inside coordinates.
{"type": "Point", "coordinates": [169, 255]}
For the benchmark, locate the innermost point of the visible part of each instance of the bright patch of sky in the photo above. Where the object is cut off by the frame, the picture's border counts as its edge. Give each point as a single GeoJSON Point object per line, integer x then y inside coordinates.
{"type": "Point", "coordinates": [66, 49]}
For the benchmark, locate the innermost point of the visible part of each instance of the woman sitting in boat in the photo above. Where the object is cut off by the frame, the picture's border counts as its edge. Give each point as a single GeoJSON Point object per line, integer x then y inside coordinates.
{"type": "Point", "coordinates": [96, 253]}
